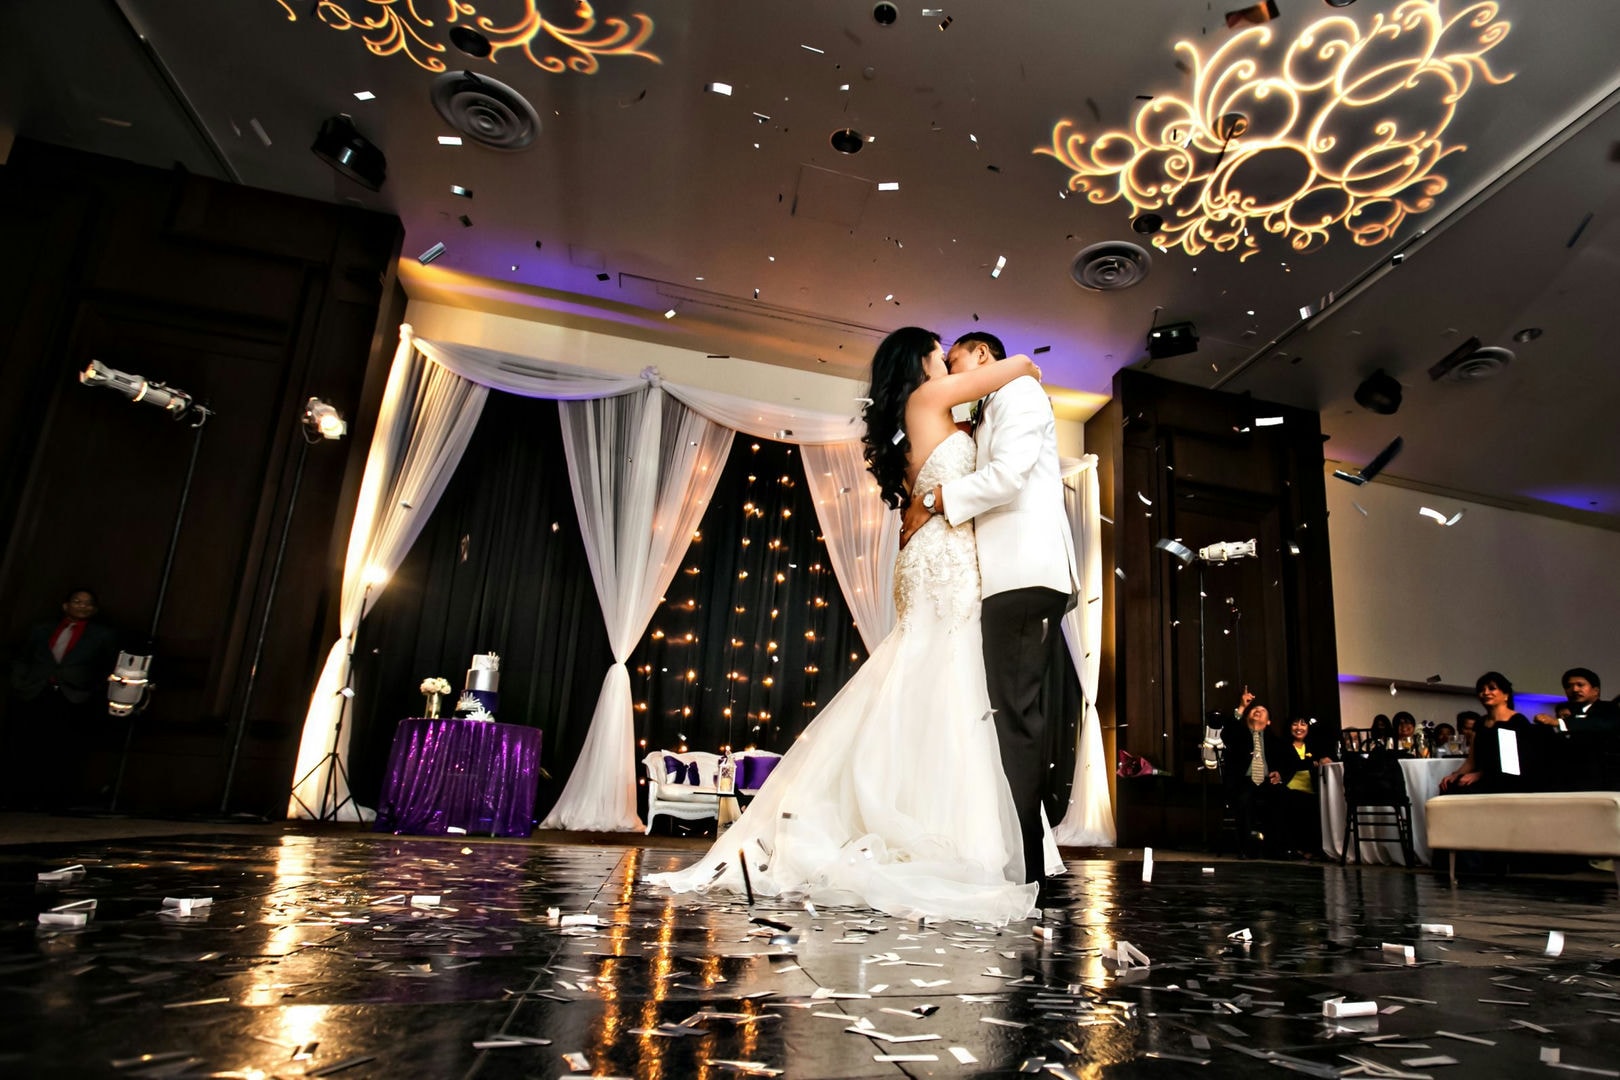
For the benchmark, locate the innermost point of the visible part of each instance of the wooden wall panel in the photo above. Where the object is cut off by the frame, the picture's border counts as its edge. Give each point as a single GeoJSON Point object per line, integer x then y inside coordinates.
{"type": "Point", "coordinates": [251, 302]}
{"type": "Point", "coordinates": [1186, 463]}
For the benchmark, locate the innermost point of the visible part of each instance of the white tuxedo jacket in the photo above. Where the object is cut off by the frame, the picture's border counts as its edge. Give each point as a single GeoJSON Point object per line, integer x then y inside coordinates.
{"type": "Point", "coordinates": [1015, 496]}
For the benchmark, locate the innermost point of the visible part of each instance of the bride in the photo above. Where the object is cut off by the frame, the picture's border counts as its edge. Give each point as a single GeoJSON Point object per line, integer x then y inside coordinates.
{"type": "Point", "coordinates": [894, 797]}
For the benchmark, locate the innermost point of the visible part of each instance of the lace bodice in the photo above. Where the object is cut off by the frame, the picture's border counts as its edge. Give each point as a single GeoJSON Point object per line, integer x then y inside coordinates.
{"type": "Point", "coordinates": [936, 575]}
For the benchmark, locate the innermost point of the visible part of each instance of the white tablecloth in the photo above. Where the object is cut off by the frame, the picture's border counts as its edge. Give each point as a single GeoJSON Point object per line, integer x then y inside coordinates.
{"type": "Point", "coordinates": [1423, 777]}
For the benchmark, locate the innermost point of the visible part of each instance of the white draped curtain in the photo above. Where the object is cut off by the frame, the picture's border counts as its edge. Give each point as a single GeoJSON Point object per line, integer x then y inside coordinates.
{"type": "Point", "coordinates": [643, 468]}
{"type": "Point", "coordinates": [426, 419]}
{"type": "Point", "coordinates": [862, 534]}
{"type": "Point", "coordinates": [1089, 820]}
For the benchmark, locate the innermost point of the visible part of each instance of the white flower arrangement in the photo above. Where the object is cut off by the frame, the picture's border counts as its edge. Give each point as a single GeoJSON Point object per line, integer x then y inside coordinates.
{"type": "Point", "coordinates": [435, 686]}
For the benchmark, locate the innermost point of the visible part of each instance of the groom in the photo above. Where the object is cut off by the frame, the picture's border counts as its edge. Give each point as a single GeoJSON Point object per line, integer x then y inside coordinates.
{"type": "Point", "coordinates": [1026, 568]}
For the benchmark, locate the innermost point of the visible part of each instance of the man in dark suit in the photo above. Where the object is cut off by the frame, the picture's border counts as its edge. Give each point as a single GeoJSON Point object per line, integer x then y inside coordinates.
{"type": "Point", "coordinates": [1253, 780]}
{"type": "Point", "coordinates": [58, 682]}
{"type": "Point", "coordinates": [1591, 755]}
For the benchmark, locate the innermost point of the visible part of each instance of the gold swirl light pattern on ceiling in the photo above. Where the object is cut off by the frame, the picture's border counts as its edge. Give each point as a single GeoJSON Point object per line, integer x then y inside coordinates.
{"type": "Point", "coordinates": [1316, 145]}
{"type": "Point", "coordinates": [396, 26]}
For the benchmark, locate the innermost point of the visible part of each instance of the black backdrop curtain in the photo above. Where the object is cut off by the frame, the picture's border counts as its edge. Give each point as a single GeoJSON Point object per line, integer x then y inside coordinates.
{"type": "Point", "coordinates": [751, 640]}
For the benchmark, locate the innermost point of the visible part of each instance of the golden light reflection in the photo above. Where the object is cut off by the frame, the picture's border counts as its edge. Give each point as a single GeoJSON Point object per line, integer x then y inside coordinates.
{"type": "Point", "coordinates": [397, 26]}
{"type": "Point", "coordinates": [1313, 145]}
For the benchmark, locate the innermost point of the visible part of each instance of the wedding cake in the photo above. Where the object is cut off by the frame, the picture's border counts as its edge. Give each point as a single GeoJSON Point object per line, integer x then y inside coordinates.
{"type": "Point", "coordinates": [482, 689]}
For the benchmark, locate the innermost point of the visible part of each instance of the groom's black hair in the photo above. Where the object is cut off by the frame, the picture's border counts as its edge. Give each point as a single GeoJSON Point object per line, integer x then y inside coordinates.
{"type": "Point", "coordinates": [989, 341]}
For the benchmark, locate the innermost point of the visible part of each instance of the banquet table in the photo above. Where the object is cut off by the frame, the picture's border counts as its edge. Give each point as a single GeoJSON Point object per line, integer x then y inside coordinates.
{"type": "Point", "coordinates": [473, 775]}
{"type": "Point", "coordinates": [1422, 776]}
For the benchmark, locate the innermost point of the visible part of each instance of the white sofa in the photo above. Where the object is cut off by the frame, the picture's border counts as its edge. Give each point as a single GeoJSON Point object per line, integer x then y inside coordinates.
{"type": "Point", "coordinates": [688, 802]}
{"type": "Point", "coordinates": [1552, 822]}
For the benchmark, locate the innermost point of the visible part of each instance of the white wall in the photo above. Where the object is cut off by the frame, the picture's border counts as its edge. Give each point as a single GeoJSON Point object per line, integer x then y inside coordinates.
{"type": "Point", "coordinates": [1501, 590]}
{"type": "Point", "coordinates": [605, 352]}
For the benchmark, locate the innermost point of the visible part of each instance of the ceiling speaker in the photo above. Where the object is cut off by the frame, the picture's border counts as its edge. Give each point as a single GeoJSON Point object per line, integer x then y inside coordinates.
{"type": "Point", "coordinates": [1380, 393]}
{"type": "Point", "coordinates": [350, 153]}
{"type": "Point", "coordinates": [1111, 265]}
{"type": "Point", "coordinates": [489, 113]}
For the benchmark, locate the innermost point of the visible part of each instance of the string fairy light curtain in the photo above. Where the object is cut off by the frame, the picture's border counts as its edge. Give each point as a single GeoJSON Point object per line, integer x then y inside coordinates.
{"type": "Point", "coordinates": [643, 468]}
{"type": "Point", "coordinates": [1089, 819]}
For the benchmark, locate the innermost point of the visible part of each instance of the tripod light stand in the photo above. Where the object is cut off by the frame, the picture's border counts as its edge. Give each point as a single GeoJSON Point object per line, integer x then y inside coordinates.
{"type": "Point", "coordinates": [319, 421]}
{"type": "Point", "coordinates": [332, 761]}
{"type": "Point", "coordinates": [128, 688]}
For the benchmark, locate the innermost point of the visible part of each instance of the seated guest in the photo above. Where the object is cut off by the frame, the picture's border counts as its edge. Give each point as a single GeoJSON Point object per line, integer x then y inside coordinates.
{"type": "Point", "coordinates": [1381, 736]}
{"type": "Point", "coordinates": [1406, 732]}
{"type": "Point", "coordinates": [1446, 743]}
{"type": "Point", "coordinates": [1253, 782]}
{"type": "Point", "coordinates": [1587, 709]}
{"type": "Point", "coordinates": [1592, 746]}
{"type": "Point", "coordinates": [1467, 724]}
{"type": "Point", "coordinates": [1482, 771]}
{"type": "Point", "coordinates": [1296, 768]}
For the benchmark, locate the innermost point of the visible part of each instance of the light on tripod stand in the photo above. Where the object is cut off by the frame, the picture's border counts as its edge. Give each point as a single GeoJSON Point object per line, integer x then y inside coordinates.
{"type": "Point", "coordinates": [136, 388]}
{"type": "Point", "coordinates": [126, 686]}
{"type": "Point", "coordinates": [323, 421]}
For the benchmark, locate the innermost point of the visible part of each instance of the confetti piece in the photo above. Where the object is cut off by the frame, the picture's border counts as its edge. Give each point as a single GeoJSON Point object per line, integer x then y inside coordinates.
{"type": "Point", "coordinates": [1267, 421]}
{"type": "Point", "coordinates": [1338, 1008]}
{"type": "Point", "coordinates": [577, 1062]}
{"type": "Point", "coordinates": [1555, 943]}
{"type": "Point", "coordinates": [962, 1055]}
{"type": "Point", "coordinates": [1437, 929]}
{"type": "Point", "coordinates": [1176, 548]}
{"type": "Point", "coordinates": [1464, 1038]}
{"type": "Point", "coordinates": [1147, 864]}
{"type": "Point", "coordinates": [67, 873]}
{"type": "Point", "coordinates": [1244, 934]}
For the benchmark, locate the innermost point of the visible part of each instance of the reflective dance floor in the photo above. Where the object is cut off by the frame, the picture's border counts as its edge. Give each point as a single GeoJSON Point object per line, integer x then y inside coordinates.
{"type": "Point", "coordinates": [371, 956]}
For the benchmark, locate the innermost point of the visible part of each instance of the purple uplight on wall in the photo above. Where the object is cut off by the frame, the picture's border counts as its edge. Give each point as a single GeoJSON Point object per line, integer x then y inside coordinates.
{"type": "Point", "coordinates": [1596, 498]}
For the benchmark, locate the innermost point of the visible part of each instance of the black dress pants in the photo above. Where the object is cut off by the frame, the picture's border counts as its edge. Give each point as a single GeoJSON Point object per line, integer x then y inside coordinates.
{"type": "Point", "coordinates": [1022, 629]}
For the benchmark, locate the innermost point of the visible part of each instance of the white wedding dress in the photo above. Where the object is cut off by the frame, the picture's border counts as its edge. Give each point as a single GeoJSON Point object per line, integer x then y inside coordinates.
{"type": "Point", "coordinates": [894, 797]}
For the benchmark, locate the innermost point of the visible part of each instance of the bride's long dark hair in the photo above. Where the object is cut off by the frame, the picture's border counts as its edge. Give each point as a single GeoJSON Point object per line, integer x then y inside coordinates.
{"type": "Point", "coordinates": [897, 370]}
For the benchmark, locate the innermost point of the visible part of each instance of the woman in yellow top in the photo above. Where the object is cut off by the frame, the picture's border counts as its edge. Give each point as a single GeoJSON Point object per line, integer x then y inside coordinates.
{"type": "Point", "coordinates": [1300, 809]}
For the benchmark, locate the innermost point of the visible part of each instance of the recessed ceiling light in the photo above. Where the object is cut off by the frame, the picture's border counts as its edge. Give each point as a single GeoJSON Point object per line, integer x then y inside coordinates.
{"type": "Point", "coordinates": [471, 42]}
{"type": "Point", "coordinates": [457, 189]}
{"type": "Point", "coordinates": [514, 268]}
{"type": "Point", "coordinates": [364, 95]}
{"type": "Point", "coordinates": [449, 140]}
{"type": "Point", "coordinates": [721, 88]}
{"type": "Point", "coordinates": [889, 185]}
{"type": "Point", "coordinates": [670, 314]}
{"type": "Point", "coordinates": [847, 141]}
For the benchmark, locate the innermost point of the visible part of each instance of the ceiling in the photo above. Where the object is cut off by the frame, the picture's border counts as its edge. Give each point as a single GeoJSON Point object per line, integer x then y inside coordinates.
{"type": "Point", "coordinates": [645, 192]}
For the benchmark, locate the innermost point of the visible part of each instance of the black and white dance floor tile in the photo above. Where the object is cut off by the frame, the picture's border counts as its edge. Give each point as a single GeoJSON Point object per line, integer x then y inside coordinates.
{"type": "Point", "coordinates": [370, 956]}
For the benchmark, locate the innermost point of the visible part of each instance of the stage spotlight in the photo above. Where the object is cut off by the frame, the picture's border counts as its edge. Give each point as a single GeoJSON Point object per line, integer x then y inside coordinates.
{"type": "Point", "coordinates": [323, 421]}
{"type": "Point", "coordinates": [126, 686]}
{"type": "Point", "coordinates": [1172, 339]}
{"type": "Point", "coordinates": [172, 401]}
{"type": "Point", "coordinates": [350, 153]}
{"type": "Point", "coordinates": [1380, 393]}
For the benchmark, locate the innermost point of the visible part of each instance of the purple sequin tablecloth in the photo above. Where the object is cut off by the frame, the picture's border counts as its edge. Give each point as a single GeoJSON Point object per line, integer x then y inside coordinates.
{"type": "Point", "coordinates": [475, 775]}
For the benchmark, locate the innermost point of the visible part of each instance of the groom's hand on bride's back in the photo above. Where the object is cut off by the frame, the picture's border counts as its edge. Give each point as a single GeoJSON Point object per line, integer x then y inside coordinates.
{"type": "Point", "coordinates": [916, 517]}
